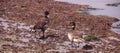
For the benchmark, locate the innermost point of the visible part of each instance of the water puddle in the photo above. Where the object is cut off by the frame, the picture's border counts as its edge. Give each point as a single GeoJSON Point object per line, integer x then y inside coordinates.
{"type": "Point", "coordinates": [100, 7]}
{"type": "Point", "coordinates": [20, 45]}
{"type": "Point", "coordinates": [24, 40]}
{"type": "Point", "coordinates": [114, 38]}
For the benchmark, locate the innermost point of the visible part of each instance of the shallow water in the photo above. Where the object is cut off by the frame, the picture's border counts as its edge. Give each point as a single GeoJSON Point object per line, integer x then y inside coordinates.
{"type": "Point", "coordinates": [112, 11]}
{"type": "Point", "coordinates": [4, 23]}
{"type": "Point", "coordinates": [108, 10]}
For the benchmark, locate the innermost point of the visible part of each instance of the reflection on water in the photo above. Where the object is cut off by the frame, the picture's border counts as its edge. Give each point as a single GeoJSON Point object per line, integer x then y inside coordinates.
{"type": "Point", "coordinates": [114, 4]}
{"type": "Point", "coordinates": [110, 8]}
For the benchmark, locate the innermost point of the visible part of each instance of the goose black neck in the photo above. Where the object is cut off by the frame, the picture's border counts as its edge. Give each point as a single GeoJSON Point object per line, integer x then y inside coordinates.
{"type": "Point", "coordinates": [46, 13]}
{"type": "Point", "coordinates": [73, 24]}
{"type": "Point", "coordinates": [46, 16]}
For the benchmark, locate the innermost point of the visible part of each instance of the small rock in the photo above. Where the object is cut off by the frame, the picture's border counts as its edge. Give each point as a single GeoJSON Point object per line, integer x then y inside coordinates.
{"type": "Point", "coordinates": [87, 47]}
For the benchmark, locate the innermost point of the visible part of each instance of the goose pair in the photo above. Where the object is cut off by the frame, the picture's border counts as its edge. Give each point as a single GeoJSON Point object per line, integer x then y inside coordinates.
{"type": "Point", "coordinates": [73, 35]}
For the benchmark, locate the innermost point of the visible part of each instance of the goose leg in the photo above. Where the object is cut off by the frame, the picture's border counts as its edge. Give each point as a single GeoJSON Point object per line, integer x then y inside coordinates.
{"type": "Point", "coordinates": [43, 35]}
{"type": "Point", "coordinates": [72, 43]}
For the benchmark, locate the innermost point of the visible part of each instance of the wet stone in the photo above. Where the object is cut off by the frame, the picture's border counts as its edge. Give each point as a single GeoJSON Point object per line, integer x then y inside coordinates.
{"type": "Point", "coordinates": [87, 47]}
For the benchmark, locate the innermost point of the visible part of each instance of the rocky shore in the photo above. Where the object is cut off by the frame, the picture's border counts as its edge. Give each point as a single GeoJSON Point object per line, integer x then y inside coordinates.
{"type": "Point", "coordinates": [29, 12]}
